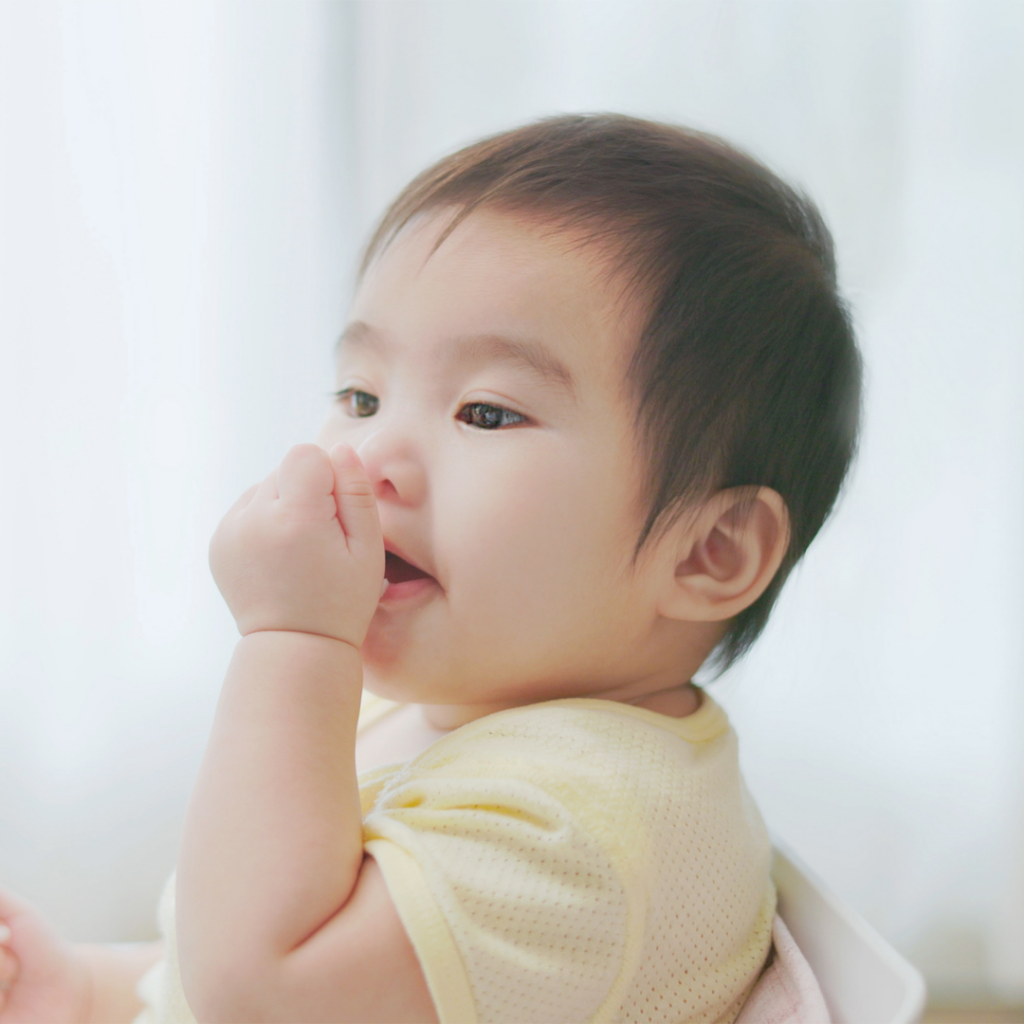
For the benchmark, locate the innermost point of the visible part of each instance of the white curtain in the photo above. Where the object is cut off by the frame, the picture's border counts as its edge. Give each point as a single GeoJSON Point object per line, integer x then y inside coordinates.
{"type": "Point", "coordinates": [174, 238]}
{"type": "Point", "coordinates": [184, 190]}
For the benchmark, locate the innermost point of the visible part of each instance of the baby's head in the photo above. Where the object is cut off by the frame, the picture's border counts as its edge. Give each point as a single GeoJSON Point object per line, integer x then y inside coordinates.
{"type": "Point", "coordinates": [601, 379]}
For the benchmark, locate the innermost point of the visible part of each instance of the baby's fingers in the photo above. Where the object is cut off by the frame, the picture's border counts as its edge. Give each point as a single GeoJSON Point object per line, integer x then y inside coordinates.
{"type": "Point", "coordinates": [357, 504]}
{"type": "Point", "coordinates": [8, 965]}
{"type": "Point", "coordinates": [14, 912]}
{"type": "Point", "coordinates": [8, 972]}
{"type": "Point", "coordinates": [305, 475]}
{"type": "Point", "coordinates": [244, 499]}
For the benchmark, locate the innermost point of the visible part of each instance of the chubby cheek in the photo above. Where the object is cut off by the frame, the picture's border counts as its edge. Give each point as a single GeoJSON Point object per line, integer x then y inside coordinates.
{"type": "Point", "coordinates": [537, 556]}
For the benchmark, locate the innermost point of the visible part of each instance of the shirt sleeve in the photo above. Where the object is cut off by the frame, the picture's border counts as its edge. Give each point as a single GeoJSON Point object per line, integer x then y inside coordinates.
{"type": "Point", "coordinates": [517, 910]}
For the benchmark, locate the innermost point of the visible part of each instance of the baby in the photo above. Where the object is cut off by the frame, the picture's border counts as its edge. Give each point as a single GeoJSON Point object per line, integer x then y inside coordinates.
{"type": "Point", "coordinates": [597, 395]}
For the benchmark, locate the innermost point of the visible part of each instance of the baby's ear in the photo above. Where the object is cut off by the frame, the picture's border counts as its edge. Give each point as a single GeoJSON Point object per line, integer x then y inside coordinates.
{"type": "Point", "coordinates": [726, 554]}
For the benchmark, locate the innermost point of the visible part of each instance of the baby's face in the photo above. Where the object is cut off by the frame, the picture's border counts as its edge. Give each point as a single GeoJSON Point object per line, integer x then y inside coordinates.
{"type": "Point", "coordinates": [483, 387]}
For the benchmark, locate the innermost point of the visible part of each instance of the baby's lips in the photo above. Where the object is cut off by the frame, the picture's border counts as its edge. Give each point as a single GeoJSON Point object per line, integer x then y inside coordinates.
{"type": "Point", "coordinates": [396, 560]}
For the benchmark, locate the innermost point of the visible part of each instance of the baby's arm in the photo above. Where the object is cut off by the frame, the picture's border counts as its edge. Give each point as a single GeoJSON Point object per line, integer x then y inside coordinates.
{"type": "Point", "coordinates": [277, 916]}
{"type": "Point", "coordinates": [46, 979]}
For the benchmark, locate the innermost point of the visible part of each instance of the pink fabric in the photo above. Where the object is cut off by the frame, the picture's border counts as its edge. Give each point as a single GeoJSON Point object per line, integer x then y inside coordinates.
{"type": "Point", "coordinates": [787, 992]}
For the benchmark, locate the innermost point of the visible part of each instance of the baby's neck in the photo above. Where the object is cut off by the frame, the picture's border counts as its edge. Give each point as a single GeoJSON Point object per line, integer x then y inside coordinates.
{"type": "Point", "coordinates": [675, 701]}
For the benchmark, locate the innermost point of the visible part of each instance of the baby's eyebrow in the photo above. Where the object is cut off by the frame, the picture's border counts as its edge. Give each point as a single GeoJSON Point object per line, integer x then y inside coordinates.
{"type": "Point", "coordinates": [475, 348]}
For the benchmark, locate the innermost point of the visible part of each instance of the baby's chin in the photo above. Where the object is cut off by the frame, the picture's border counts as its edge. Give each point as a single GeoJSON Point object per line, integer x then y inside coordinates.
{"type": "Point", "coordinates": [397, 656]}
{"type": "Point", "coordinates": [405, 685]}
{"type": "Point", "coordinates": [386, 688]}
{"type": "Point", "coordinates": [394, 681]}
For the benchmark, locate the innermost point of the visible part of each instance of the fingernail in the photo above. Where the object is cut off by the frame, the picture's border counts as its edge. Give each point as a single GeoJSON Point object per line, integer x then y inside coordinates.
{"type": "Point", "coordinates": [5, 933]}
{"type": "Point", "coordinates": [383, 587]}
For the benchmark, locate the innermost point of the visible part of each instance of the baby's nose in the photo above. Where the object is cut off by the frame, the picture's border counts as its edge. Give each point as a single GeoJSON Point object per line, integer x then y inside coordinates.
{"type": "Point", "coordinates": [394, 465]}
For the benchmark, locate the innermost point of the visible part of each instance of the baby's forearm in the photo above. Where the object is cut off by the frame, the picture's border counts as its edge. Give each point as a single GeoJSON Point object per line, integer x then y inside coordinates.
{"type": "Point", "coordinates": [114, 971]}
{"type": "Point", "coordinates": [272, 844]}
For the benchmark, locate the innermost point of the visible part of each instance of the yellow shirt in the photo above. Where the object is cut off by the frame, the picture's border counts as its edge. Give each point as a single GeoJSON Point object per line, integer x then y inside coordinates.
{"type": "Point", "coordinates": [576, 860]}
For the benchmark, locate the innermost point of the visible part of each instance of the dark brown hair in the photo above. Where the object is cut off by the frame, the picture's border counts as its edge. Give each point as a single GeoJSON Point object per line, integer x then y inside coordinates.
{"type": "Point", "coordinates": [747, 372]}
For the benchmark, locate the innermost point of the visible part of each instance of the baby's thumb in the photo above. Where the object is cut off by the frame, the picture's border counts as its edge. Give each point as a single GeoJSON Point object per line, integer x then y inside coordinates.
{"type": "Point", "coordinates": [21, 924]}
{"type": "Point", "coordinates": [353, 492]}
{"type": "Point", "coordinates": [11, 906]}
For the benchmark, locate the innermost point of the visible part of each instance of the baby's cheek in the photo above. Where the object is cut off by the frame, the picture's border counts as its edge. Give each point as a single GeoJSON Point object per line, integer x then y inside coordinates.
{"type": "Point", "coordinates": [526, 588]}
{"type": "Point", "coordinates": [546, 534]}
{"type": "Point", "coordinates": [530, 556]}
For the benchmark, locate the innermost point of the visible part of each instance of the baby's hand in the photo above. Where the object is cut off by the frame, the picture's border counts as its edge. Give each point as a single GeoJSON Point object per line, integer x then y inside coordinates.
{"type": "Point", "coordinates": [41, 977]}
{"type": "Point", "coordinates": [303, 551]}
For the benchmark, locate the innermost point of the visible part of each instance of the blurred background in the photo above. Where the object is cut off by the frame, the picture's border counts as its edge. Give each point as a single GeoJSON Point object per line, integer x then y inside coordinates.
{"type": "Point", "coordinates": [184, 189]}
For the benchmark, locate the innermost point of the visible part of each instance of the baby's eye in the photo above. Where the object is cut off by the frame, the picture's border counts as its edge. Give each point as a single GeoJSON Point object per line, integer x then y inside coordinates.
{"type": "Point", "coordinates": [488, 417]}
{"type": "Point", "coordinates": [477, 414]}
{"type": "Point", "coordinates": [359, 403]}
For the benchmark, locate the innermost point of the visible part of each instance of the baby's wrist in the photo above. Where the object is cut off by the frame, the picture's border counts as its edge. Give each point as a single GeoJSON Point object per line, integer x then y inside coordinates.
{"type": "Point", "coordinates": [324, 643]}
{"type": "Point", "coordinates": [300, 622]}
{"type": "Point", "coordinates": [310, 654]}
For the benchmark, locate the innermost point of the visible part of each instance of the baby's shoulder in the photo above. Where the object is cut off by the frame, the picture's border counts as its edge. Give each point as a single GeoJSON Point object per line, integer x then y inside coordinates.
{"type": "Point", "coordinates": [589, 754]}
{"type": "Point", "coordinates": [583, 788]}
{"type": "Point", "coordinates": [569, 728]}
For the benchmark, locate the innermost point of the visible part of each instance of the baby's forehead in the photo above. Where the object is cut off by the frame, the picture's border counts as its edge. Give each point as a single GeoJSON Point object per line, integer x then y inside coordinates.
{"type": "Point", "coordinates": [522, 241]}
{"type": "Point", "coordinates": [505, 274]}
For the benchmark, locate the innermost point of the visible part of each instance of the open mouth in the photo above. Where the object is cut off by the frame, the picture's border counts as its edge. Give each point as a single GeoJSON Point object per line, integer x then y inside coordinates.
{"type": "Point", "coordinates": [405, 580]}
{"type": "Point", "coordinates": [398, 570]}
